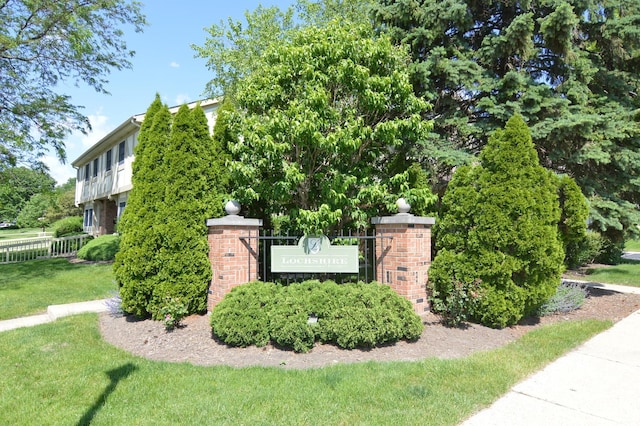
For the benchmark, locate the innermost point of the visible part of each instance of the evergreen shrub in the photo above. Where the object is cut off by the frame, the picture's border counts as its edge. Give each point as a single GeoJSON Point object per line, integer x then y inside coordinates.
{"type": "Point", "coordinates": [586, 250]}
{"type": "Point", "coordinates": [67, 227]}
{"type": "Point", "coordinates": [242, 317]}
{"type": "Point", "coordinates": [178, 179]}
{"type": "Point", "coordinates": [611, 251]}
{"type": "Point", "coordinates": [102, 248]}
{"type": "Point", "coordinates": [349, 315]}
{"type": "Point", "coordinates": [573, 221]}
{"type": "Point", "coordinates": [500, 253]}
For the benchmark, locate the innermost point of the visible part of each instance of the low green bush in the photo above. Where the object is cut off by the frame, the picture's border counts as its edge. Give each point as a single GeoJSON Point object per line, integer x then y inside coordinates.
{"type": "Point", "coordinates": [104, 247]}
{"type": "Point", "coordinates": [585, 250]}
{"type": "Point", "coordinates": [242, 317]}
{"type": "Point", "coordinates": [568, 297]}
{"type": "Point", "coordinates": [611, 252]}
{"type": "Point", "coordinates": [67, 227]}
{"type": "Point", "coordinates": [298, 315]}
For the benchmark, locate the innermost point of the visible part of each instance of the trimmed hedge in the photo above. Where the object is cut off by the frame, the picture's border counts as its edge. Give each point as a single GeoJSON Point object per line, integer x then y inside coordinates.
{"type": "Point", "coordinates": [349, 315]}
{"type": "Point", "coordinates": [101, 248]}
{"type": "Point", "coordinates": [67, 227]}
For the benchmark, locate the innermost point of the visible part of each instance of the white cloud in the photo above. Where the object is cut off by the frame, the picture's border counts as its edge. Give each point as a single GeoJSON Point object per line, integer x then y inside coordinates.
{"type": "Point", "coordinates": [183, 98]}
{"type": "Point", "coordinates": [174, 64]}
{"type": "Point", "coordinates": [75, 145]}
{"type": "Point", "coordinates": [60, 172]}
{"type": "Point", "coordinates": [99, 129]}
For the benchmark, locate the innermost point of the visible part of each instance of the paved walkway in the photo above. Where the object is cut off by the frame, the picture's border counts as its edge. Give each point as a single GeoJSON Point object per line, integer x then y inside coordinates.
{"type": "Point", "coordinates": [54, 312]}
{"type": "Point", "coordinates": [595, 384]}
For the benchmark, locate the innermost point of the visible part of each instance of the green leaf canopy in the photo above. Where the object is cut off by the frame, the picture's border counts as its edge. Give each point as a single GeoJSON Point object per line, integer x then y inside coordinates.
{"type": "Point", "coordinates": [327, 123]}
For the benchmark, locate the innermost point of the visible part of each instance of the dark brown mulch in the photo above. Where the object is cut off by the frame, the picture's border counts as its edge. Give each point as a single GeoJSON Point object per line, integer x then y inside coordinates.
{"type": "Point", "coordinates": [193, 342]}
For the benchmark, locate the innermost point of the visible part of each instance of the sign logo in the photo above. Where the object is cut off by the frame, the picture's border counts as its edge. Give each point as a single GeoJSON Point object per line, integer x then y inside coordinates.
{"type": "Point", "coordinates": [314, 253]}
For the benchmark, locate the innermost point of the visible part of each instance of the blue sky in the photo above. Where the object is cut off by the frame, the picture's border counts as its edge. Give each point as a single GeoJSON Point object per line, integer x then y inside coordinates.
{"type": "Point", "coordinates": [164, 63]}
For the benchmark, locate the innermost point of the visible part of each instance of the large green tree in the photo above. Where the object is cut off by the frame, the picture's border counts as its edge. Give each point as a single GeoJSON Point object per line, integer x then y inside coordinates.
{"type": "Point", "coordinates": [44, 43]}
{"type": "Point", "coordinates": [33, 213]}
{"type": "Point", "coordinates": [17, 186]}
{"type": "Point", "coordinates": [568, 67]}
{"type": "Point", "coordinates": [193, 186]}
{"type": "Point", "coordinates": [63, 202]}
{"type": "Point", "coordinates": [327, 125]}
{"type": "Point", "coordinates": [232, 45]}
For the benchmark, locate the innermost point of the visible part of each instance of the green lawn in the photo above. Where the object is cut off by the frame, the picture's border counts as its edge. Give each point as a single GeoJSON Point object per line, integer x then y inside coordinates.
{"type": "Point", "coordinates": [623, 274]}
{"type": "Point", "coordinates": [632, 245]}
{"type": "Point", "coordinates": [12, 234]}
{"type": "Point", "coordinates": [64, 373]}
{"type": "Point", "coordinates": [28, 288]}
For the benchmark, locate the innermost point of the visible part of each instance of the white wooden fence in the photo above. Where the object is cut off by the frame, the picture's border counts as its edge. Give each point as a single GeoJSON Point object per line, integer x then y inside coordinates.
{"type": "Point", "coordinates": [25, 249]}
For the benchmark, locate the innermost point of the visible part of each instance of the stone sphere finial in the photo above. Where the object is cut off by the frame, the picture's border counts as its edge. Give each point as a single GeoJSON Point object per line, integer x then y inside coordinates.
{"type": "Point", "coordinates": [403, 206]}
{"type": "Point", "coordinates": [232, 207]}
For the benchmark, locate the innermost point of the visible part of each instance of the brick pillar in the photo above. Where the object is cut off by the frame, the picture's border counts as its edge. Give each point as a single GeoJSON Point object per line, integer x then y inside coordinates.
{"type": "Point", "coordinates": [233, 255]}
{"type": "Point", "coordinates": [403, 260]}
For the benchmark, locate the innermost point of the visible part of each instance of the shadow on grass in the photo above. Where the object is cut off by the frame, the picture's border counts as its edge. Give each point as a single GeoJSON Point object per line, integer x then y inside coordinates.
{"type": "Point", "coordinates": [115, 376]}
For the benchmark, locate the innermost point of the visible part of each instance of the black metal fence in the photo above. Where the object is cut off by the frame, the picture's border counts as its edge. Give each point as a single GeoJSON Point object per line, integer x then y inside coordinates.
{"type": "Point", "coordinates": [366, 242]}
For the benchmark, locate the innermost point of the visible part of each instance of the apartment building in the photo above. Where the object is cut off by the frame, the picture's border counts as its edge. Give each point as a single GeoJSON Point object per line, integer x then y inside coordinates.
{"type": "Point", "coordinates": [104, 171]}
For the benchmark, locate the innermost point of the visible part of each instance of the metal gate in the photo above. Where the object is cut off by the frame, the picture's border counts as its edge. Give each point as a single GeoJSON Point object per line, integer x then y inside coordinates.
{"type": "Point", "coordinates": [366, 242]}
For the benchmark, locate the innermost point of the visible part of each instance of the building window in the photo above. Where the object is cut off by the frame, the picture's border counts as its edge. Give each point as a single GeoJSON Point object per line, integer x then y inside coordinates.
{"type": "Point", "coordinates": [96, 162]}
{"type": "Point", "coordinates": [121, 153]}
{"type": "Point", "coordinates": [87, 171]}
{"type": "Point", "coordinates": [88, 218]}
{"type": "Point", "coordinates": [107, 165]}
{"type": "Point", "coordinates": [121, 207]}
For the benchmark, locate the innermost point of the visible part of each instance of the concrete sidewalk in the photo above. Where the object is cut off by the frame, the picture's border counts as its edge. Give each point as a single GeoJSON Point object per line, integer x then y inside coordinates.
{"type": "Point", "coordinates": [53, 313]}
{"type": "Point", "coordinates": [596, 384]}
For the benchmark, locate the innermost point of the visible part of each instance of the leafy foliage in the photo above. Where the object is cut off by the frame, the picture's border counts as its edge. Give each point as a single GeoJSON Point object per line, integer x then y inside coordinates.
{"type": "Point", "coordinates": [232, 47]}
{"type": "Point", "coordinates": [33, 212]}
{"type": "Point", "coordinates": [43, 44]}
{"type": "Point", "coordinates": [568, 67]}
{"type": "Point", "coordinates": [17, 186]}
{"type": "Point", "coordinates": [172, 312]}
{"type": "Point", "coordinates": [499, 231]}
{"type": "Point", "coordinates": [328, 122]}
{"type": "Point", "coordinates": [102, 248]}
{"type": "Point", "coordinates": [63, 201]}
{"type": "Point", "coordinates": [349, 315]}
{"type": "Point", "coordinates": [178, 179]}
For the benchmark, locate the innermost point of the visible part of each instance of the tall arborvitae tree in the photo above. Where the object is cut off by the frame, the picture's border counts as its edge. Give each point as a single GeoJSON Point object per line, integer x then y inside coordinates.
{"type": "Point", "coordinates": [192, 193]}
{"type": "Point", "coordinates": [500, 256]}
{"type": "Point", "coordinates": [136, 267]}
{"type": "Point", "coordinates": [569, 67]}
{"type": "Point", "coordinates": [178, 182]}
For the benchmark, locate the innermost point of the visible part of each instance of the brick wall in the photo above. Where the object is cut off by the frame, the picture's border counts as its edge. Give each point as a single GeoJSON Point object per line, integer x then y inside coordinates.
{"type": "Point", "coordinates": [233, 257]}
{"type": "Point", "coordinates": [106, 211]}
{"type": "Point", "coordinates": [403, 260]}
